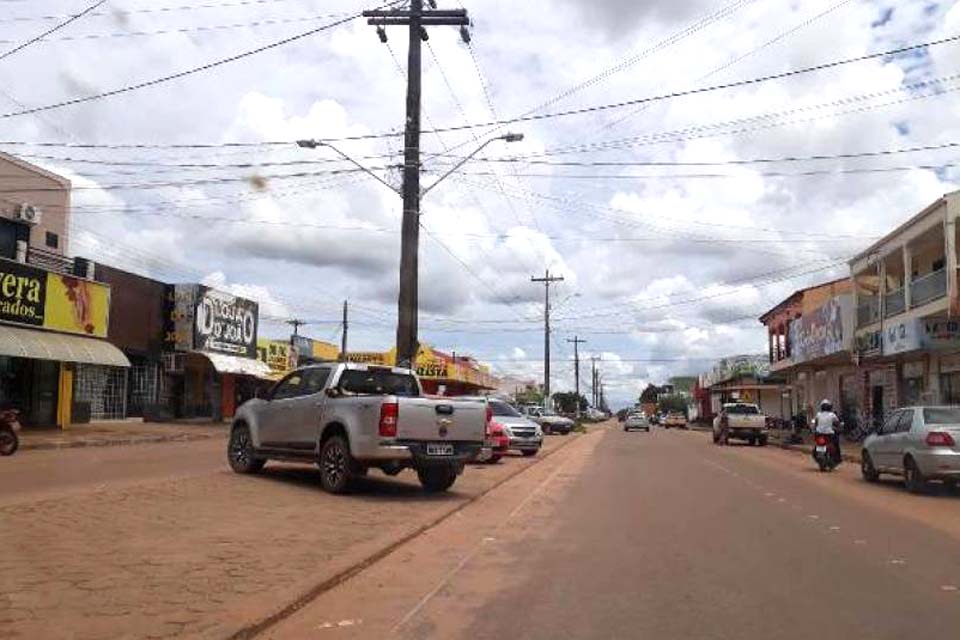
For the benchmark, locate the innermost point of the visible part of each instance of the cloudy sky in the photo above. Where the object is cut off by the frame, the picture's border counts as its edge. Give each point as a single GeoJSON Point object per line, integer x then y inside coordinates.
{"type": "Point", "coordinates": [671, 238]}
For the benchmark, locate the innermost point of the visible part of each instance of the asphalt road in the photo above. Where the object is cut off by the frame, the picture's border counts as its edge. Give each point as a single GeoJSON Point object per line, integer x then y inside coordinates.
{"type": "Point", "coordinates": [666, 536]}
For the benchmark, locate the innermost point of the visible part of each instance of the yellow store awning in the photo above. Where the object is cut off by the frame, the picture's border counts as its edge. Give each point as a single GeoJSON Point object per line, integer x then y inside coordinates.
{"type": "Point", "coordinates": [45, 345]}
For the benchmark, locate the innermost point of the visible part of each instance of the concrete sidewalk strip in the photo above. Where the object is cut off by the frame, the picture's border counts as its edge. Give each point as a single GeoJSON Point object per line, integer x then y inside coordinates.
{"type": "Point", "coordinates": [213, 556]}
{"type": "Point", "coordinates": [106, 434]}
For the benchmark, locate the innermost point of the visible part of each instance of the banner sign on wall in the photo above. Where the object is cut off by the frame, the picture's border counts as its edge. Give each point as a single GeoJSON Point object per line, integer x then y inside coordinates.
{"type": "Point", "coordinates": [55, 301]}
{"type": "Point", "coordinates": [204, 319]}
{"type": "Point", "coordinates": [818, 333]}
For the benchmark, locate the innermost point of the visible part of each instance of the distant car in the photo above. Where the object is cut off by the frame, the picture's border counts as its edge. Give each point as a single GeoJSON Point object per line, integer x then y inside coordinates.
{"type": "Point", "coordinates": [524, 434]}
{"type": "Point", "coordinates": [636, 421]}
{"type": "Point", "coordinates": [551, 422]}
{"type": "Point", "coordinates": [918, 443]}
{"type": "Point", "coordinates": [675, 419]}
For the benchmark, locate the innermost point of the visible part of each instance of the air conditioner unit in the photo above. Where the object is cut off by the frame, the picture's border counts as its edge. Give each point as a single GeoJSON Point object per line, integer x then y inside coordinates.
{"type": "Point", "coordinates": [29, 213]}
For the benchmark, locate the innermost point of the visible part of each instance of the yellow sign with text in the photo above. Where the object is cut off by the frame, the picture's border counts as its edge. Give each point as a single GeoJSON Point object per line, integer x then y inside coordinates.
{"type": "Point", "coordinates": [75, 305]}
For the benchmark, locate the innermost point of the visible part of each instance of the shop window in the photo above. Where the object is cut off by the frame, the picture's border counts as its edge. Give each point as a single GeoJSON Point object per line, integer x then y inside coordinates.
{"type": "Point", "coordinates": [53, 240]}
{"type": "Point", "coordinates": [950, 388]}
{"type": "Point", "coordinates": [912, 391]}
{"type": "Point", "coordinates": [103, 389]}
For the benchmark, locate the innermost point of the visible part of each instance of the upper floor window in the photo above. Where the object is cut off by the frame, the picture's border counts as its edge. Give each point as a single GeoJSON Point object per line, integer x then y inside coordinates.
{"type": "Point", "coordinates": [53, 240]}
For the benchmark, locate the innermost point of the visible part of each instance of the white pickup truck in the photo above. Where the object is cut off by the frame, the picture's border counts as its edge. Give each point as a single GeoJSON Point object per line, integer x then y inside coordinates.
{"type": "Point", "coordinates": [740, 421]}
{"type": "Point", "coordinates": [349, 417]}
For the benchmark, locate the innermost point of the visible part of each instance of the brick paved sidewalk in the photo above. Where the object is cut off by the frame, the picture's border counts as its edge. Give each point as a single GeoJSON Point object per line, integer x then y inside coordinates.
{"type": "Point", "coordinates": [205, 556]}
{"type": "Point", "coordinates": [120, 432]}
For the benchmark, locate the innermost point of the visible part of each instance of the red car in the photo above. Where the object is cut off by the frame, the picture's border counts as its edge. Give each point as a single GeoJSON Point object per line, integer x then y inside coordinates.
{"type": "Point", "coordinates": [498, 441]}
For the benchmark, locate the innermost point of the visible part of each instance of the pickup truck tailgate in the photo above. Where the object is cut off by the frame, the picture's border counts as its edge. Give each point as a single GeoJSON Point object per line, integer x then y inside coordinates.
{"type": "Point", "coordinates": [749, 421]}
{"type": "Point", "coordinates": [431, 419]}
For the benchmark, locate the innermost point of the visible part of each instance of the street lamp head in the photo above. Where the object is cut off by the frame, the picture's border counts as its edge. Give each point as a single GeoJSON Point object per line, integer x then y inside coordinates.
{"type": "Point", "coordinates": [308, 144]}
{"type": "Point", "coordinates": [512, 137]}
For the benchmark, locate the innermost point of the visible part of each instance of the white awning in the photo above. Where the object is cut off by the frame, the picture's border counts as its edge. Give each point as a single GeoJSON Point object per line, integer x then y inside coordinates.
{"type": "Point", "coordinates": [45, 345]}
{"type": "Point", "coordinates": [242, 366]}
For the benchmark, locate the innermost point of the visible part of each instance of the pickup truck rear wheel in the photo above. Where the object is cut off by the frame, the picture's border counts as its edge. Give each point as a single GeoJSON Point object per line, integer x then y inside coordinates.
{"type": "Point", "coordinates": [336, 465]}
{"type": "Point", "coordinates": [752, 440]}
{"type": "Point", "coordinates": [762, 441]}
{"type": "Point", "coordinates": [240, 451]}
{"type": "Point", "coordinates": [436, 479]}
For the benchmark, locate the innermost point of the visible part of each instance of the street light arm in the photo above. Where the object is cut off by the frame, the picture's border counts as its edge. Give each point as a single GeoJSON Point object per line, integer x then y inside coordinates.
{"type": "Point", "coordinates": [509, 137]}
{"type": "Point", "coordinates": [313, 144]}
{"type": "Point", "coordinates": [456, 166]}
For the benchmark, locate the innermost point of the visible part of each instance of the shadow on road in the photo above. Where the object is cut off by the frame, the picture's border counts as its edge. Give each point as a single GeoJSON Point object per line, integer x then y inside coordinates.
{"type": "Point", "coordinates": [373, 487]}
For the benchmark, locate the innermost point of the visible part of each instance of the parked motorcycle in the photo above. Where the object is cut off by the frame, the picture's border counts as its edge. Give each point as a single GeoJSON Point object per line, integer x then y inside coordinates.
{"type": "Point", "coordinates": [825, 452]}
{"type": "Point", "coordinates": [9, 425]}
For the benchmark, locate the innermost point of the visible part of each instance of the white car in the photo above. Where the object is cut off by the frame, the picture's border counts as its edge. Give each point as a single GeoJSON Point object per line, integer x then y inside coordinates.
{"type": "Point", "coordinates": [636, 421]}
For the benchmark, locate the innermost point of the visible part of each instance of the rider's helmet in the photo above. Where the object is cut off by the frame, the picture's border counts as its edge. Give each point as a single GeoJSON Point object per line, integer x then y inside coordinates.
{"type": "Point", "coordinates": [826, 405]}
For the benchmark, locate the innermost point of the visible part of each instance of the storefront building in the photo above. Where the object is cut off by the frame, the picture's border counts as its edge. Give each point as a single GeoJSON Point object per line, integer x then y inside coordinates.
{"type": "Point", "coordinates": [210, 363]}
{"type": "Point", "coordinates": [907, 307]}
{"type": "Point", "coordinates": [440, 373]}
{"type": "Point", "coordinates": [743, 378]}
{"type": "Point", "coordinates": [55, 365]}
{"type": "Point", "coordinates": [811, 345]}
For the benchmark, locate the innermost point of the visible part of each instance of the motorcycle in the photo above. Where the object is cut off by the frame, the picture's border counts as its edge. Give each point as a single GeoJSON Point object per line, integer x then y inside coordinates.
{"type": "Point", "coordinates": [825, 452]}
{"type": "Point", "coordinates": [9, 425]}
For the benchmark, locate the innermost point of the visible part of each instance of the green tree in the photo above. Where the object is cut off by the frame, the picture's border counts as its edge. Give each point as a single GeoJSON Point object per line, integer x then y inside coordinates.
{"type": "Point", "coordinates": [650, 393]}
{"type": "Point", "coordinates": [566, 402]}
{"type": "Point", "coordinates": [674, 402]}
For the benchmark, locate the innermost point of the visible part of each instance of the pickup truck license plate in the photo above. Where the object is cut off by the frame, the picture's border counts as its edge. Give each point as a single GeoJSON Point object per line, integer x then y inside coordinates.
{"type": "Point", "coordinates": [822, 449]}
{"type": "Point", "coordinates": [439, 449]}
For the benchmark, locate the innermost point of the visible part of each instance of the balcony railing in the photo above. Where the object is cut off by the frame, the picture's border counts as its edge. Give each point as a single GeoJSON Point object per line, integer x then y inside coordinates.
{"type": "Point", "coordinates": [49, 261]}
{"type": "Point", "coordinates": [928, 287]}
{"type": "Point", "coordinates": [894, 303]}
{"type": "Point", "coordinates": [868, 311]}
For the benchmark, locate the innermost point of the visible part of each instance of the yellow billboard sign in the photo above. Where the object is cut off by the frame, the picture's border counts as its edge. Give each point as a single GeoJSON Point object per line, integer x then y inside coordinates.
{"type": "Point", "coordinates": [75, 305]}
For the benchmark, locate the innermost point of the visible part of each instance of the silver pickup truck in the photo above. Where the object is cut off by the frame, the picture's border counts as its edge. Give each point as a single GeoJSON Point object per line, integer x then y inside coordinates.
{"type": "Point", "coordinates": [349, 417]}
{"type": "Point", "coordinates": [741, 421]}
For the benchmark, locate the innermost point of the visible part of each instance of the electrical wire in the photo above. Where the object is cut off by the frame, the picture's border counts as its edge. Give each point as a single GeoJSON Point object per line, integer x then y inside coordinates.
{"type": "Point", "coordinates": [187, 72]}
{"type": "Point", "coordinates": [52, 29]}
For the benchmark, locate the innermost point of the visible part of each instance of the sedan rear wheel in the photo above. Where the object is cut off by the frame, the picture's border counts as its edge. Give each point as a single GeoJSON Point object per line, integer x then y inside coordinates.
{"type": "Point", "coordinates": [912, 477]}
{"type": "Point", "coordinates": [867, 470]}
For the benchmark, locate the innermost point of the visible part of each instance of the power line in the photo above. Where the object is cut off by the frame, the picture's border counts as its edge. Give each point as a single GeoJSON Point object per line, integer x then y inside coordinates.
{"type": "Point", "coordinates": [716, 163]}
{"type": "Point", "coordinates": [52, 29]}
{"type": "Point", "coordinates": [701, 90]}
{"type": "Point", "coordinates": [766, 174]}
{"type": "Point", "coordinates": [189, 7]}
{"type": "Point", "coordinates": [191, 29]}
{"type": "Point", "coordinates": [182, 74]}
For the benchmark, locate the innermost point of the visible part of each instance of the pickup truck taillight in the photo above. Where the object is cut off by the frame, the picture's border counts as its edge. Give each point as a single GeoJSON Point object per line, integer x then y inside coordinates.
{"type": "Point", "coordinates": [388, 419]}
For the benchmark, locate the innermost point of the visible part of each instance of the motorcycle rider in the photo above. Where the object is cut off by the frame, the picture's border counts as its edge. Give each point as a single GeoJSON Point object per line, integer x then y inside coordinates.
{"type": "Point", "coordinates": [827, 423]}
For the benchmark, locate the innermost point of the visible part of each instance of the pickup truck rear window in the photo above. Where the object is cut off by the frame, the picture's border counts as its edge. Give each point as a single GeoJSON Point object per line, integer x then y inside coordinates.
{"type": "Point", "coordinates": [375, 382]}
{"type": "Point", "coordinates": [742, 410]}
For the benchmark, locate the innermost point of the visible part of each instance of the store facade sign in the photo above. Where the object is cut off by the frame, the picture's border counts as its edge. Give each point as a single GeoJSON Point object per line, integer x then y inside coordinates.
{"type": "Point", "coordinates": [902, 336]}
{"type": "Point", "coordinates": [59, 302]}
{"type": "Point", "coordinates": [204, 319]}
{"type": "Point", "coordinates": [279, 355]}
{"type": "Point", "coordinates": [818, 333]}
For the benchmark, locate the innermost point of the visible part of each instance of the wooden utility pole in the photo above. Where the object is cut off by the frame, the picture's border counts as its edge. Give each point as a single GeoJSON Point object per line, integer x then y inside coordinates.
{"type": "Point", "coordinates": [547, 280]}
{"type": "Point", "coordinates": [416, 19]}
{"type": "Point", "coordinates": [593, 381]}
{"type": "Point", "coordinates": [296, 324]}
{"type": "Point", "coordinates": [577, 341]}
{"type": "Point", "coordinates": [343, 336]}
